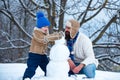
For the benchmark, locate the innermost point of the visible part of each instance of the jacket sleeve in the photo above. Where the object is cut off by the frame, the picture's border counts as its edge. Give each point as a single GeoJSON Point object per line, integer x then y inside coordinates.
{"type": "Point", "coordinates": [89, 53]}
{"type": "Point", "coordinates": [52, 37]}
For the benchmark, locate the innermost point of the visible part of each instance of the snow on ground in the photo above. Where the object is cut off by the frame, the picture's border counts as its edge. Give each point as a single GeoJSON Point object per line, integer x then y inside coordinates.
{"type": "Point", "coordinates": [14, 71]}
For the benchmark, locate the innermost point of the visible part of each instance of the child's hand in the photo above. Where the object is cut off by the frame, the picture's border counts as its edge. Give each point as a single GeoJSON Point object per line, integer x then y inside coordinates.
{"type": "Point", "coordinates": [61, 33]}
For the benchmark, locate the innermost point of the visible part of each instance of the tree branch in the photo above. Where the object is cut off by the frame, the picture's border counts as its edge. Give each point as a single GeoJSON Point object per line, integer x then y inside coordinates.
{"type": "Point", "coordinates": [11, 17]}
{"type": "Point", "coordinates": [110, 60]}
{"type": "Point", "coordinates": [83, 19]}
{"type": "Point", "coordinates": [107, 45]}
{"type": "Point", "coordinates": [96, 12]}
{"type": "Point", "coordinates": [25, 7]}
{"type": "Point", "coordinates": [105, 28]}
{"type": "Point", "coordinates": [11, 43]}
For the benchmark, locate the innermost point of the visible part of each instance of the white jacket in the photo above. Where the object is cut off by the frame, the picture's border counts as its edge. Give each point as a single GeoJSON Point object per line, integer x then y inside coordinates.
{"type": "Point", "coordinates": [83, 50]}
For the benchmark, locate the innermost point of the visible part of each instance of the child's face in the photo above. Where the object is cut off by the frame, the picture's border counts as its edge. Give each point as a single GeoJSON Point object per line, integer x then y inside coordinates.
{"type": "Point", "coordinates": [45, 29]}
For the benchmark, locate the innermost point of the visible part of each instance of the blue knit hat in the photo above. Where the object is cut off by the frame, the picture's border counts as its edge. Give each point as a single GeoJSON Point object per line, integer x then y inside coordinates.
{"type": "Point", "coordinates": [42, 21]}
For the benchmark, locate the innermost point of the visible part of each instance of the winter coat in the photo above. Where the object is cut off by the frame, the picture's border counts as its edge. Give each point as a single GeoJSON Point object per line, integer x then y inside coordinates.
{"type": "Point", "coordinates": [40, 40]}
{"type": "Point", "coordinates": [83, 50]}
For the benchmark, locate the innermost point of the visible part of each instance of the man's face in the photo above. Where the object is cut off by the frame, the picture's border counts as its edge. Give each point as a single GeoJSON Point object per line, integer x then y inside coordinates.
{"type": "Point", "coordinates": [67, 33]}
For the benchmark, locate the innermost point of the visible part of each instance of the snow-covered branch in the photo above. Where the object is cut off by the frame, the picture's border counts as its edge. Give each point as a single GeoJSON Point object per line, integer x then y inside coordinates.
{"type": "Point", "coordinates": [25, 7]}
{"type": "Point", "coordinates": [6, 35]}
{"type": "Point", "coordinates": [12, 18]}
{"type": "Point", "coordinates": [15, 47]}
{"type": "Point", "coordinates": [104, 66]}
{"type": "Point", "coordinates": [107, 45]}
{"type": "Point", "coordinates": [104, 57]}
{"type": "Point", "coordinates": [37, 4]}
{"type": "Point", "coordinates": [113, 19]}
{"type": "Point", "coordinates": [20, 40]}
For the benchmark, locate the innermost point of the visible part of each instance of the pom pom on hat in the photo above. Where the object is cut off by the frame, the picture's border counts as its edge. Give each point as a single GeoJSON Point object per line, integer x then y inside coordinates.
{"type": "Point", "coordinates": [42, 21]}
{"type": "Point", "coordinates": [39, 14]}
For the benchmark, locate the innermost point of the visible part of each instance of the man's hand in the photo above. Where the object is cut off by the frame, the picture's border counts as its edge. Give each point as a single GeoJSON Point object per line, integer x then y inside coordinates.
{"type": "Point", "coordinates": [78, 68]}
{"type": "Point", "coordinates": [71, 64]}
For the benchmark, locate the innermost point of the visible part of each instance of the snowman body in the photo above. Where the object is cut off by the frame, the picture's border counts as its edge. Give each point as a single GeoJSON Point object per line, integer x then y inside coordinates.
{"type": "Point", "coordinates": [58, 66]}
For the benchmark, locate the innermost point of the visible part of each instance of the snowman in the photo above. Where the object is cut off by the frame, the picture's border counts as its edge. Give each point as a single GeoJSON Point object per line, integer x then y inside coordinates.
{"type": "Point", "coordinates": [58, 66]}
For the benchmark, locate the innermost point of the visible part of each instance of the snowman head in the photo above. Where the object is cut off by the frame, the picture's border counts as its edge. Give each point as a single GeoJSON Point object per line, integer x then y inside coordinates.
{"type": "Point", "coordinates": [59, 51]}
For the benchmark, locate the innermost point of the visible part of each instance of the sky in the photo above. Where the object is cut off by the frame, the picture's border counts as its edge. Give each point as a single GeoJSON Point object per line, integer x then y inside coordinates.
{"type": "Point", "coordinates": [14, 71]}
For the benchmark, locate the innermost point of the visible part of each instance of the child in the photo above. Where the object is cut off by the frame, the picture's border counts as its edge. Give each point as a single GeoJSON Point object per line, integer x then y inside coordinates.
{"type": "Point", "coordinates": [41, 37]}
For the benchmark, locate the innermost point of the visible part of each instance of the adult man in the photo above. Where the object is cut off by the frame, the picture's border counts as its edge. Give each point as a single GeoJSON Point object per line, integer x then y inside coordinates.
{"type": "Point", "coordinates": [82, 59]}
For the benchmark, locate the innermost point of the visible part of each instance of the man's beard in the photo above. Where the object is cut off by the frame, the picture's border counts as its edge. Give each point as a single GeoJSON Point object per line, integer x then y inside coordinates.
{"type": "Point", "coordinates": [67, 35]}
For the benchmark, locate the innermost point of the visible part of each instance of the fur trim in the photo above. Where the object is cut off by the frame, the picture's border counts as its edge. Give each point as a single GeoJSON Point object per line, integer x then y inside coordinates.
{"type": "Point", "coordinates": [75, 28]}
{"type": "Point", "coordinates": [68, 24]}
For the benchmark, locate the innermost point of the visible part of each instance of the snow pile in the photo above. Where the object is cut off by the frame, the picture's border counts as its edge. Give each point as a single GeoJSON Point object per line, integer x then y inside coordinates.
{"type": "Point", "coordinates": [15, 71]}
